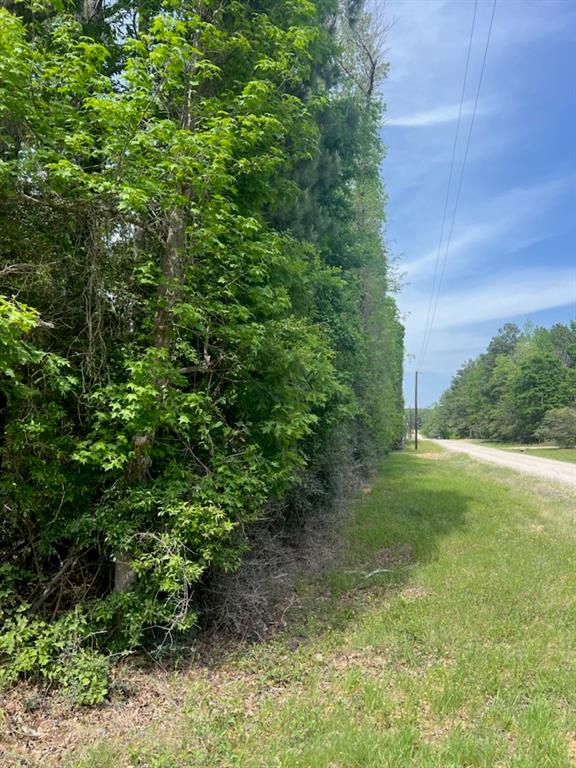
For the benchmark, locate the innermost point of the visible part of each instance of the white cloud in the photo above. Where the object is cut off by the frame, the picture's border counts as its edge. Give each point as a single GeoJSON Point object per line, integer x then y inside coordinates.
{"type": "Point", "coordinates": [469, 319]}
{"type": "Point", "coordinates": [428, 39]}
{"type": "Point", "coordinates": [505, 223]}
{"type": "Point", "coordinates": [471, 236]}
{"type": "Point", "coordinates": [506, 295]}
{"type": "Point", "coordinates": [431, 117]}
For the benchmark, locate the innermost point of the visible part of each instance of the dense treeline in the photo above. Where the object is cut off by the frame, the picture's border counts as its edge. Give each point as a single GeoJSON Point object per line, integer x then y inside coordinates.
{"type": "Point", "coordinates": [196, 317]}
{"type": "Point", "coordinates": [523, 388]}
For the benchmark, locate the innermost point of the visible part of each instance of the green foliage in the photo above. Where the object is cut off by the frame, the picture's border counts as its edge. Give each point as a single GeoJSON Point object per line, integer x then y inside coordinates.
{"type": "Point", "coordinates": [52, 650]}
{"type": "Point", "coordinates": [506, 392]}
{"type": "Point", "coordinates": [559, 426]}
{"type": "Point", "coordinates": [192, 207]}
{"type": "Point", "coordinates": [540, 384]}
{"type": "Point", "coordinates": [16, 322]}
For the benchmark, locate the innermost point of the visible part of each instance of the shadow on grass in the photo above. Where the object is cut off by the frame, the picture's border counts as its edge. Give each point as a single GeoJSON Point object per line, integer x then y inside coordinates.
{"type": "Point", "coordinates": [392, 529]}
{"type": "Point", "coordinates": [397, 526]}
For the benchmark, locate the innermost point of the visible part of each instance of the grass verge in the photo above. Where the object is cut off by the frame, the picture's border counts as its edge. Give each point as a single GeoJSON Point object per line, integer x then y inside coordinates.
{"type": "Point", "coordinates": [442, 637]}
{"type": "Point", "coordinates": [544, 451]}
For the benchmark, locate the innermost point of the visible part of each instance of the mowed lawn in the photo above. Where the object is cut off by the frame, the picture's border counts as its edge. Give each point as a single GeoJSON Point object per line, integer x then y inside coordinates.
{"type": "Point", "coordinates": [443, 636]}
{"type": "Point", "coordinates": [544, 451]}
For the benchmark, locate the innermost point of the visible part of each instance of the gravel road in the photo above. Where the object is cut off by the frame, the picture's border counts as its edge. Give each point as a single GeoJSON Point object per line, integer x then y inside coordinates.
{"type": "Point", "coordinates": [557, 471]}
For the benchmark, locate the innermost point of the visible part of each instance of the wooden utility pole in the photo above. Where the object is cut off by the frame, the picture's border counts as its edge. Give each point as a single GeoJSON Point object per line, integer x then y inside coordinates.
{"type": "Point", "coordinates": [416, 413]}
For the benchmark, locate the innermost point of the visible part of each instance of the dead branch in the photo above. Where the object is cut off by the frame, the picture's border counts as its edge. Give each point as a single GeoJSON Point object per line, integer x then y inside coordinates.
{"type": "Point", "coordinates": [67, 565]}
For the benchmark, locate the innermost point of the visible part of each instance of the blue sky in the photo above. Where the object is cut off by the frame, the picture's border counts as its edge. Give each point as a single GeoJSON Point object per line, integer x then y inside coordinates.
{"type": "Point", "coordinates": [513, 250]}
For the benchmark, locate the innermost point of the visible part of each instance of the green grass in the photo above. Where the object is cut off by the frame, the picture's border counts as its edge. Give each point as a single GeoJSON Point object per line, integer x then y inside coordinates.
{"type": "Point", "coordinates": [424, 446]}
{"type": "Point", "coordinates": [559, 454]}
{"type": "Point", "coordinates": [544, 451]}
{"type": "Point", "coordinates": [459, 652]}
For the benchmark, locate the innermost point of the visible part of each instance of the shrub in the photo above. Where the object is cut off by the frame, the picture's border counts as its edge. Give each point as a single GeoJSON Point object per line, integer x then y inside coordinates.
{"type": "Point", "coordinates": [36, 649]}
{"type": "Point", "coordinates": [559, 426]}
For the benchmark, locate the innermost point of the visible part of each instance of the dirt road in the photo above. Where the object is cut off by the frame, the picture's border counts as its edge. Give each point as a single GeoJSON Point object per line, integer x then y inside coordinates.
{"type": "Point", "coordinates": [557, 471]}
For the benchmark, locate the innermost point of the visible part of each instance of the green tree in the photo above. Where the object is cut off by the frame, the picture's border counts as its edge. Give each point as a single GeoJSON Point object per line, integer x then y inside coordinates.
{"type": "Point", "coordinates": [191, 220]}
{"type": "Point", "coordinates": [504, 393]}
{"type": "Point", "coordinates": [559, 426]}
{"type": "Point", "coordinates": [539, 387]}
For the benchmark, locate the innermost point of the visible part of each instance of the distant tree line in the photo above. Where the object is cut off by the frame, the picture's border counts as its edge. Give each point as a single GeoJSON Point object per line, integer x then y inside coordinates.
{"type": "Point", "coordinates": [410, 418]}
{"type": "Point", "coordinates": [523, 388]}
{"type": "Point", "coordinates": [197, 319]}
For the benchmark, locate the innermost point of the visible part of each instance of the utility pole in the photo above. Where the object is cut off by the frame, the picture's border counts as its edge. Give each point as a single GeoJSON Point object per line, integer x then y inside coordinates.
{"type": "Point", "coordinates": [416, 413]}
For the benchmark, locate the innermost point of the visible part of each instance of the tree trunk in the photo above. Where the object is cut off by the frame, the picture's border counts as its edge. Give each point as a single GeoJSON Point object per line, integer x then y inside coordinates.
{"type": "Point", "coordinates": [91, 10]}
{"type": "Point", "coordinates": [124, 574]}
{"type": "Point", "coordinates": [171, 266]}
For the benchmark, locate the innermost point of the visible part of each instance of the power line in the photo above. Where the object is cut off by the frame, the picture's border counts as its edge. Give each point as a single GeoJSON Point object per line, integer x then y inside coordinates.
{"type": "Point", "coordinates": [460, 179]}
{"type": "Point", "coordinates": [447, 198]}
